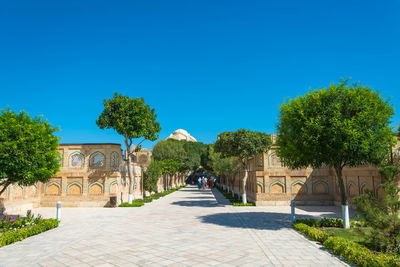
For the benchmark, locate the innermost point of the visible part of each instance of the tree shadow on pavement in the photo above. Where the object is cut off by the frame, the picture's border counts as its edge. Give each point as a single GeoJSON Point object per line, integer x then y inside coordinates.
{"type": "Point", "coordinates": [198, 203]}
{"type": "Point", "coordinates": [329, 211]}
{"type": "Point", "coordinates": [251, 220]}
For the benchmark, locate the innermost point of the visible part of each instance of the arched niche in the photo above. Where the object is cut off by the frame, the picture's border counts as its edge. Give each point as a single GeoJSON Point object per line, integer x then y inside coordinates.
{"type": "Point", "coordinates": [74, 189]}
{"type": "Point", "coordinates": [320, 187]}
{"type": "Point", "coordinates": [52, 189]}
{"type": "Point", "coordinates": [96, 189]}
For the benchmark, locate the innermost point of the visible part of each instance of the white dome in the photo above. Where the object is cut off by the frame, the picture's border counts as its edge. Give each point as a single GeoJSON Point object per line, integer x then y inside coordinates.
{"type": "Point", "coordinates": [181, 131]}
{"type": "Point", "coordinates": [182, 134]}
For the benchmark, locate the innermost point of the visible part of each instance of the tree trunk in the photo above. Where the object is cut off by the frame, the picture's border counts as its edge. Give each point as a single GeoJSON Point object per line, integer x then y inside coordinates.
{"type": "Point", "coordinates": [5, 185]}
{"type": "Point", "coordinates": [130, 174]}
{"type": "Point", "coordinates": [244, 181]}
{"type": "Point", "coordinates": [343, 196]}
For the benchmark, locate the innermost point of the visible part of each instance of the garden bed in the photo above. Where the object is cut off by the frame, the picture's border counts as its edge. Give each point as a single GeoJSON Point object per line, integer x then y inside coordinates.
{"type": "Point", "coordinates": [234, 199]}
{"type": "Point", "coordinates": [141, 202]}
{"type": "Point", "coordinates": [347, 243]}
{"type": "Point", "coordinates": [16, 228]}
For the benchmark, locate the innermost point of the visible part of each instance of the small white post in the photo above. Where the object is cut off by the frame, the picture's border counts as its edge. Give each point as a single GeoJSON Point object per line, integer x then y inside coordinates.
{"type": "Point", "coordinates": [293, 215]}
{"type": "Point", "coordinates": [345, 215]}
{"type": "Point", "coordinates": [59, 210]}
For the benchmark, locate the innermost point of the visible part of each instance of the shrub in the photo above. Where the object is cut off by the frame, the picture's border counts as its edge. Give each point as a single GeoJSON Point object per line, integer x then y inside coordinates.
{"type": "Point", "coordinates": [134, 204]}
{"type": "Point", "coordinates": [328, 222]}
{"type": "Point", "coordinates": [382, 214]}
{"type": "Point", "coordinates": [309, 222]}
{"type": "Point", "coordinates": [331, 222]}
{"type": "Point", "coordinates": [311, 232]}
{"type": "Point", "coordinates": [9, 222]}
{"type": "Point", "coordinates": [12, 236]}
{"type": "Point", "coordinates": [353, 252]}
{"type": "Point", "coordinates": [241, 204]}
{"type": "Point", "coordinates": [357, 254]}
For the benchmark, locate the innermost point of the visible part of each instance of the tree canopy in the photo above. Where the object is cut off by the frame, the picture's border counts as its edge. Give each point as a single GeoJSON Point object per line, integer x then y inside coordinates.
{"type": "Point", "coordinates": [151, 175]}
{"type": "Point", "coordinates": [188, 155]}
{"type": "Point", "coordinates": [221, 165]}
{"type": "Point", "coordinates": [242, 144]}
{"type": "Point", "coordinates": [129, 117]}
{"type": "Point", "coordinates": [342, 125]}
{"type": "Point", "coordinates": [170, 149]}
{"type": "Point", "coordinates": [28, 149]}
{"type": "Point", "coordinates": [170, 167]}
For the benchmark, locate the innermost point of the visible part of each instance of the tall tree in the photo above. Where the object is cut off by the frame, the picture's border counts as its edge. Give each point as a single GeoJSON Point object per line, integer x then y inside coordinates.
{"type": "Point", "coordinates": [242, 144]}
{"type": "Point", "coordinates": [222, 167]}
{"type": "Point", "coordinates": [133, 119]}
{"type": "Point", "coordinates": [342, 125]}
{"type": "Point", "coordinates": [28, 149]}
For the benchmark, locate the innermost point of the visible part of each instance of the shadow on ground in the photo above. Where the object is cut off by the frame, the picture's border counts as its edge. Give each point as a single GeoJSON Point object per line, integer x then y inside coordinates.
{"type": "Point", "coordinates": [198, 203]}
{"type": "Point", "coordinates": [329, 211]}
{"type": "Point", "coordinates": [252, 220]}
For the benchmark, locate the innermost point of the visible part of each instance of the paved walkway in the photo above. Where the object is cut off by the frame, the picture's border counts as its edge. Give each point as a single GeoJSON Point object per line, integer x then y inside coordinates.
{"type": "Point", "coordinates": [186, 228]}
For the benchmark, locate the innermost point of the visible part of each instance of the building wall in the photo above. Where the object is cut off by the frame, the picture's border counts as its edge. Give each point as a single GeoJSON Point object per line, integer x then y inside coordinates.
{"type": "Point", "coordinates": [270, 183]}
{"type": "Point", "coordinates": [90, 175]}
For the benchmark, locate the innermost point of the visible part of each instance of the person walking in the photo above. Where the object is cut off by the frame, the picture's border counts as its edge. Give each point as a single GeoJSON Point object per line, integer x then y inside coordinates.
{"type": "Point", "coordinates": [199, 182]}
{"type": "Point", "coordinates": [203, 183]}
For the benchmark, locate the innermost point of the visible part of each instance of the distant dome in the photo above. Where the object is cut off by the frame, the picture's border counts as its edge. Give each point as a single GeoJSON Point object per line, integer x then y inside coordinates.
{"type": "Point", "coordinates": [181, 131]}
{"type": "Point", "coordinates": [182, 134]}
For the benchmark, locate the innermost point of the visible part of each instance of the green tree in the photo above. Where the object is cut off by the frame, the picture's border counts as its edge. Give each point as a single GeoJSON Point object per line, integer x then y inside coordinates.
{"type": "Point", "coordinates": [343, 125]}
{"type": "Point", "coordinates": [151, 175]}
{"type": "Point", "coordinates": [195, 153]}
{"type": "Point", "coordinates": [28, 149]}
{"type": "Point", "coordinates": [222, 167]}
{"type": "Point", "coordinates": [169, 167]}
{"type": "Point", "coordinates": [242, 144]}
{"type": "Point", "coordinates": [382, 215]}
{"type": "Point", "coordinates": [133, 119]}
{"type": "Point", "coordinates": [170, 149]}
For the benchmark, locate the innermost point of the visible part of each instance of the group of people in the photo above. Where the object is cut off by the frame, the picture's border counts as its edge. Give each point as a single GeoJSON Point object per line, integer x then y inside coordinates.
{"type": "Point", "coordinates": [204, 182]}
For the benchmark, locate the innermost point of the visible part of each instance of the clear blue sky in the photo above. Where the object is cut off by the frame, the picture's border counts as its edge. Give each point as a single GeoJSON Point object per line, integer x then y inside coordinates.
{"type": "Point", "coordinates": [205, 66]}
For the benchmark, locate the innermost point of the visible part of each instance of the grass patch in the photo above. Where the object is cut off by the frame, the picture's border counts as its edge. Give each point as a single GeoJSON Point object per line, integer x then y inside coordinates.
{"type": "Point", "coordinates": [353, 234]}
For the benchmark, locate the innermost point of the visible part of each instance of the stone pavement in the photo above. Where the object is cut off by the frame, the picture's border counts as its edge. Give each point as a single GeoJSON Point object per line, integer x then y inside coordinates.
{"type": "Point", "coordinates": [186, 228]}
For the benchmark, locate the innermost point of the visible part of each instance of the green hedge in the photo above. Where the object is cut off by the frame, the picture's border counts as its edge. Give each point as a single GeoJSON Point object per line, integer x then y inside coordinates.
{"type": "Point", "coordinates": [12, 236]}
{"type": "Point", "coordinates": [327, 222]}
{"type": "Point", "coordinates": [241, 204]}
{"type": "Point", "coordinates": [140, 202]}
{"type": "Point", "coordinates": [353, 252]}
{"type": "Point", "coordinates": [134, 204]}
{"type": "Point", "coordinates": [311, 232]}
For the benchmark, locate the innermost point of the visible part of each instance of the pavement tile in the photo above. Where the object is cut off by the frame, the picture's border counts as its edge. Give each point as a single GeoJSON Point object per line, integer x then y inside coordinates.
{"type": "Point", "coordinates": [187, 228]}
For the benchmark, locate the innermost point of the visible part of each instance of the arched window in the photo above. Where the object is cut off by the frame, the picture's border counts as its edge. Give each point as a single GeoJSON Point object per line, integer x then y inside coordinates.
{"type": "Point", "coordinates": [77, 160]}
{"type": "Point", "coordinates": [114, 160]}
{"type": "Point", "coordinates": [97, 159]}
